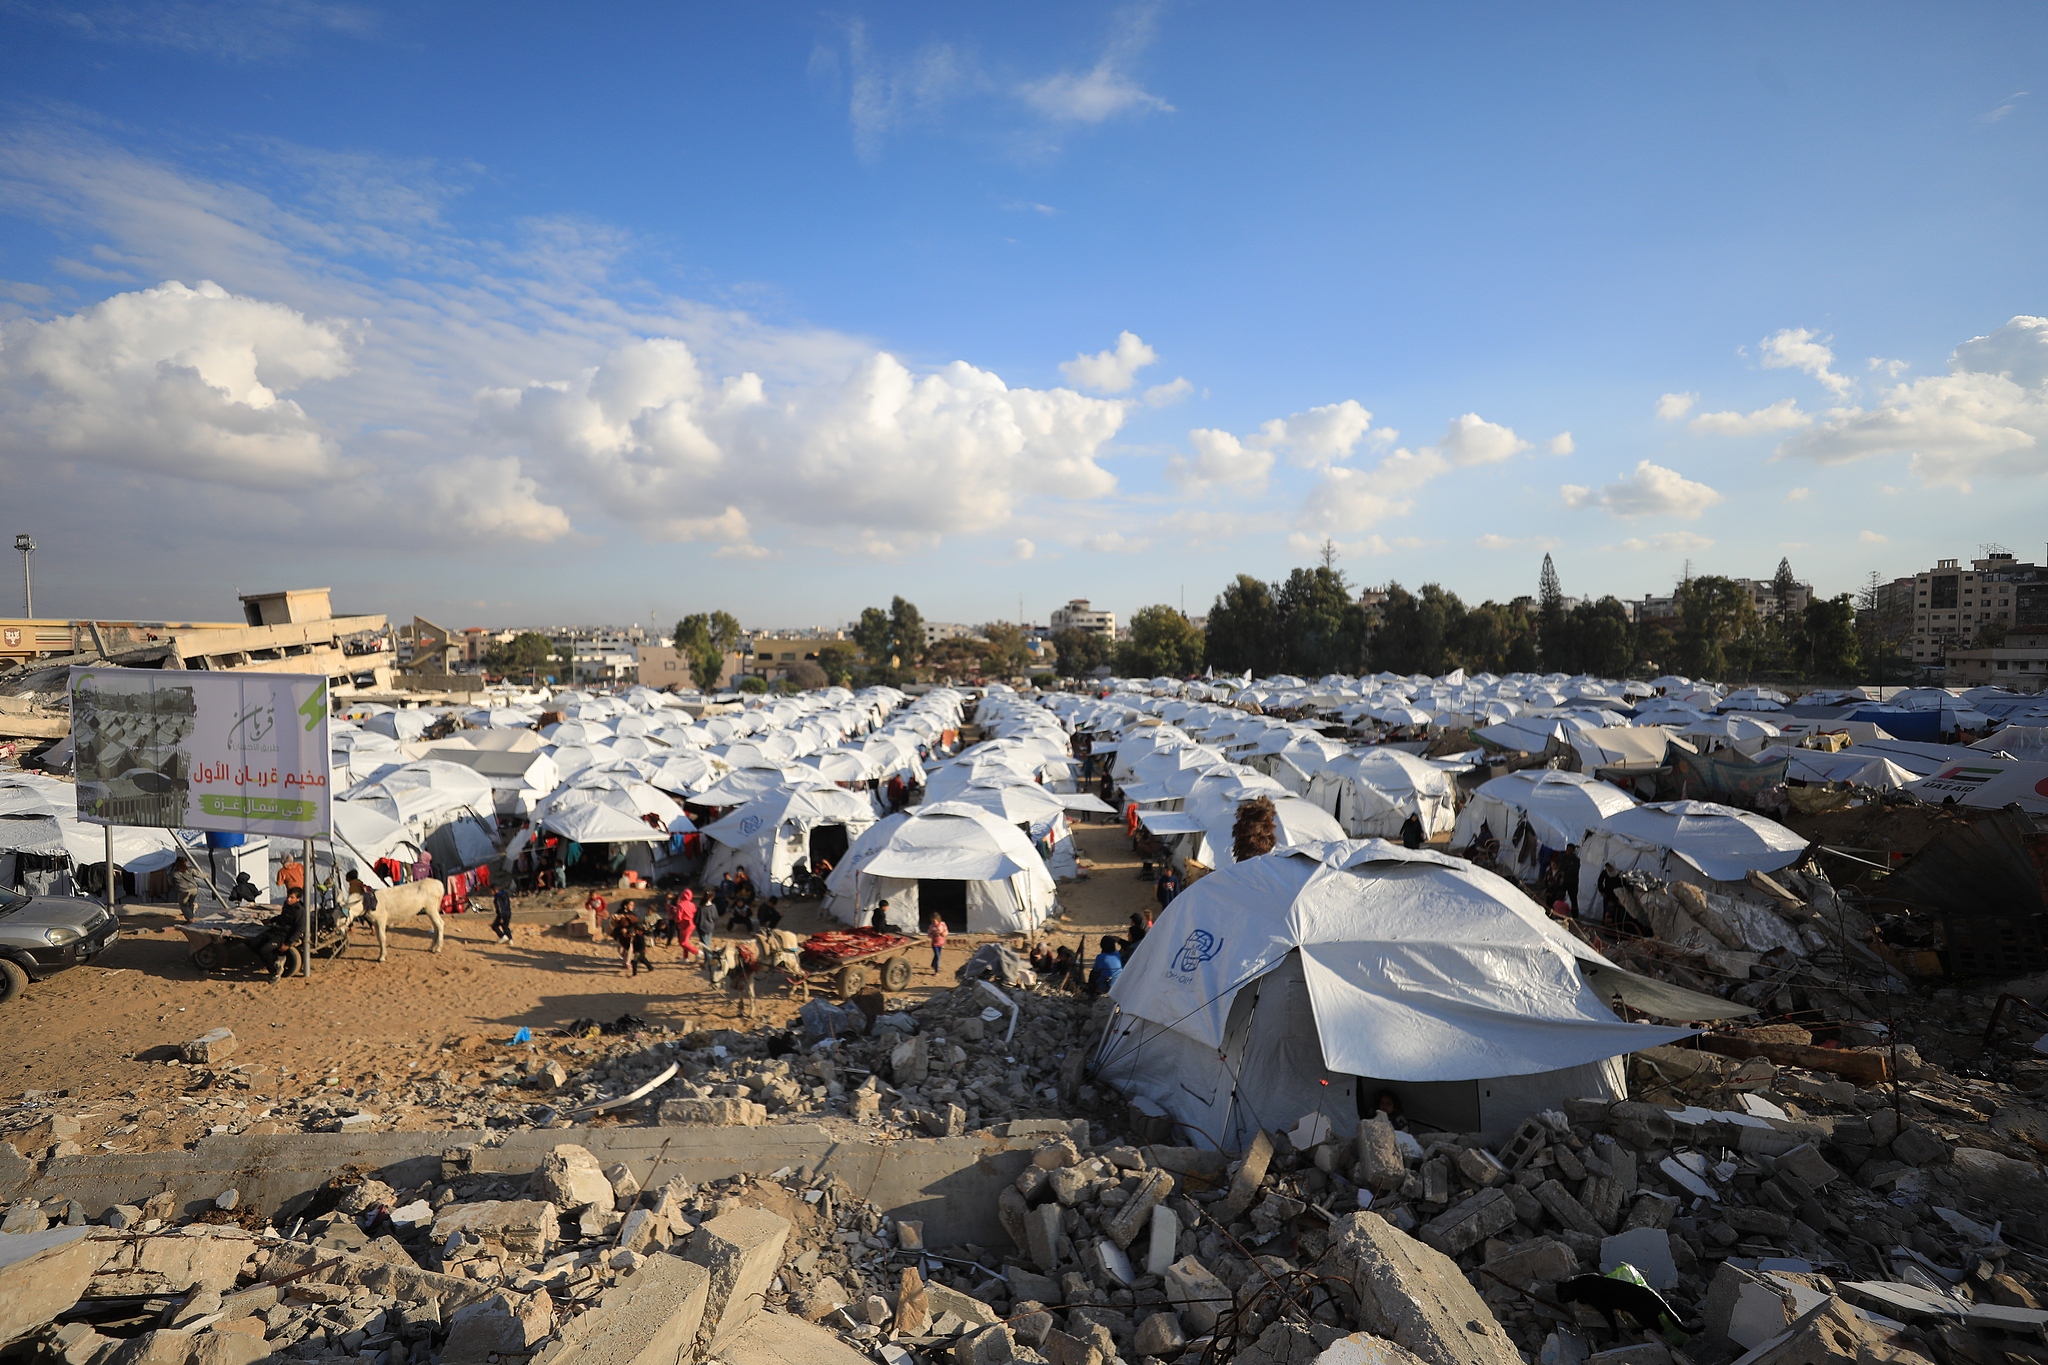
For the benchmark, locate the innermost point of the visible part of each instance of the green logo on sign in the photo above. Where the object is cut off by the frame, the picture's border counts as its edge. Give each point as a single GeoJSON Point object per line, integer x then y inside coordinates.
{"type": "Point", "coordinates": [315, 707]}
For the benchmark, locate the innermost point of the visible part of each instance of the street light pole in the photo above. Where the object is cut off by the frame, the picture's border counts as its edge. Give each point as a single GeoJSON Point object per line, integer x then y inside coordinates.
{"type": "Point", "coordinates": [27, 546]}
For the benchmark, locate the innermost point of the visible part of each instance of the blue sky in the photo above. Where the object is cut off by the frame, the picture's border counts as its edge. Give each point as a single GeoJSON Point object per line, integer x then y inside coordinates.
{"type": "Point", "coordinates": [517, 313]}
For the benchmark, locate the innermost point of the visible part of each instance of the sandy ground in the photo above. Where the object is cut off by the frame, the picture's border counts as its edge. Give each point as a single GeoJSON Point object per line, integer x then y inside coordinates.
{"type": "Point", "coordinates": [102, 1031]}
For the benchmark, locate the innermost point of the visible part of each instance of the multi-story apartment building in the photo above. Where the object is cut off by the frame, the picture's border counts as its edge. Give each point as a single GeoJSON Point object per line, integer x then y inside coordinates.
{"type": "Point", "coordinates": [1079, 615]}
{"type": "Point", "coordinates": [1952, 605]}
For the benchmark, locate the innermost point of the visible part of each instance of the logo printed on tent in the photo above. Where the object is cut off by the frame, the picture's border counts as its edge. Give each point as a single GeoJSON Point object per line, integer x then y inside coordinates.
{"type": "Point", "coordinates": [750, 824]}
{"type": "Point", "coordinates": [1199, 947]}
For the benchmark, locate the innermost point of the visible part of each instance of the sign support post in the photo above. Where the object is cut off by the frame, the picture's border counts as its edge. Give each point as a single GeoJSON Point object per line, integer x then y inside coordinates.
{"type": "Point", "coordinates": [110, 867]}
{"type": "Point", "coordinates": [307, 883]}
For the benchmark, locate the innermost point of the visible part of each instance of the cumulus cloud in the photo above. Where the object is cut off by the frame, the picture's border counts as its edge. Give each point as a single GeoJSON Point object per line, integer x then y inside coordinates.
{"type": "Point", "coordinates": [1021, 548]}
{"type": "Point", "coordinates": [1166, 395]}
{"type": "Point", "coordinates": [1650, 491]}
{"type": "Point", "coordinates": [1672, 406]}
{"type": "Point", "coordinates": [1796, 348]}
{"type": "Point", "coordinates": [1111, 371]}
{"type": "Point", "coordinates": [1114, 542]}
{"type": "Point", "coordinates": [1314, 439]}
{"type": "Point", "coordinates": [491, 499]}
{"type": "Point", "coordinates": [1345, 499]}
{"type": "Point", "coordinates": [1797, 495]}
{"type": "Point", "coordinates": [1783, 415]}
{"type": "Point", "coordinates": [897, 453]}
{"type": "Point", "coordinates": [1873, 538]}
{"type": "Point", "coordinates": [1561, 444]}
{"type": "Point", "coordinates": [1987, 417]}
{"type": "Point", "coordinates": [1493, 541]}
{"type": "Point", "coordinates": [174, 380]}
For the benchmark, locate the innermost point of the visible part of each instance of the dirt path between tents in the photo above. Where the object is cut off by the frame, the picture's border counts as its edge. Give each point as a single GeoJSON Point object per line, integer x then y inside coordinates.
{"type": "Point", "coordinates": [101, 1032]}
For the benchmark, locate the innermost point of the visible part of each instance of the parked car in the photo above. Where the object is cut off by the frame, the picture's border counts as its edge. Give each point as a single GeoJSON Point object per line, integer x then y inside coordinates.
{"type": "Point", "coordinates": [44, 934]}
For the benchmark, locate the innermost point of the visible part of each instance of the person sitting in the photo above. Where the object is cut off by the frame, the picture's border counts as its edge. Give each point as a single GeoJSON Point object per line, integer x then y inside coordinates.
{"type": "Point", "coordinates": [818, 875]}
{"type": "Point", "coordinates": [770, 914]}
{"type": "Point", "coordinates": [1109, 963]}
{"type": "Point", "coordinates": [280, 932]}
{"type": "Point", "coordinates": [880, 920]}
{"type": "Point", "coordinates": [1387, 1105]}
{"type": "Point", "coordinates": [243, 890]}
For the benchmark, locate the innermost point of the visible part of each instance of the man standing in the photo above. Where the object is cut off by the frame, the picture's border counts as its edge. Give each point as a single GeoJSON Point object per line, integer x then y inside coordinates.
{"type": "Point", "coordinates": [706, 922]}
{"type": "Point", "coordinates": [1567, 867]}
{"type": "Point", "coordinates": [501, 916]}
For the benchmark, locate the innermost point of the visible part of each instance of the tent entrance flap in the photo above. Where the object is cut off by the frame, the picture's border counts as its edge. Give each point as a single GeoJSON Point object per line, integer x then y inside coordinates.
{"type": "Point", "coordinates": [945, 898]}
{"type": "Point", "coordinates": [829, 843]}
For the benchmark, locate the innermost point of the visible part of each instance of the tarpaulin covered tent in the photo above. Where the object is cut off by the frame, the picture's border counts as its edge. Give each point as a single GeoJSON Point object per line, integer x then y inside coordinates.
{"type": "Point", "coordinates": [1981, 780]}
{"type": "Point", "coordinates": [1712, 846]}
{"type": "Point", "coordinates": [768, 835]}
{"type": "Point", "coordinates": [972, 868]}
{"type": "Point", "coordinates": [1372, 792]}
{"type": "Point", "coordinates": [1559, 806]}
{"type": "Point", "coordinates": [1306, 980]}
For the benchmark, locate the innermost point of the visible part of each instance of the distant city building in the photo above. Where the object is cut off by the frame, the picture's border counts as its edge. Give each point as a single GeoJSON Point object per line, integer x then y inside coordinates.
{"type": "Point", "coordinates": [935, 631]}
{"type": "Point", "coordinates": [1763, 595]}
{"type": "Point", "coordinates": [2018, 665]}
{"type": "Point", "coordinates": [1078, 615]}
{"type": "Point", "coordinates": [1952, 605]}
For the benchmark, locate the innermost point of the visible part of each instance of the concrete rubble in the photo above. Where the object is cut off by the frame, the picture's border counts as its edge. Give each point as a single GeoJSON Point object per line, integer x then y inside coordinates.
{"type": "Point", "coordinates": [1785, 1214]}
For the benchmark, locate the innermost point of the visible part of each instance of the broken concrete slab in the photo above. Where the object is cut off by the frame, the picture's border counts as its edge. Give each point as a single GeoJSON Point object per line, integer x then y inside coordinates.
{"type": "Point", "coordinates": [650, 1317]}
{"type": "Point", "coordinates": [1379, 1166]}
{"type": "Point", "coordinates": [718, 1113]}
{"type": "Point", "coordinates": [1415, 1295]}
{"type": "Point", "coordinates": [779, 1339]}
{"type": "Point", "coordinates": [524, 1227]}
{"type": "Point", "coordinates": [1363, 1348]}
{"type": "Point", "coordinates": [199, 1256]}
{"type": "Point", "coordinates": [1470, 1221]}
{"type": "Point", "coordinates": [571, 1179]}
{"type": "Point", "coordinates": [742, 1250]}
{"type": "Point", "coordinates": [1198, 1294]}
{"type": "Point", "coordinates": [504, 1324]}
{"type": "Point", "coordinates": [216, 1045]}
{"type": "Point", "coordinates": [1543, 1260]}
{"type": "Point", "coordinates": [44, 1273]}
{"type": "Point", "coordinates": [403, 1281]}
{"type": "Point", "coordinates": [1153, 1186]}
{"type": "Point", "coordinates": [1647, 1249]}
{"type": "Point", "coordinates": [1244, 1186]}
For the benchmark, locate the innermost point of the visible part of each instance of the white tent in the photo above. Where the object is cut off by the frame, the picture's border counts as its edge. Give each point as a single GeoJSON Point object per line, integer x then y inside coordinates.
{"type": "Point", "coordinates": [1559, 806]}
{"type": "Point", "coordinates": [768, 835]}
{"type": "Point", "coordinates": [1982, 780]}
{"type": "Point", "coordinates": [972, 868]}
{"type": "Point", "coordinates": [1701, 842]}
{"type": "Point", "coordinates": [1028, 804]}
{"type": "Point", "coordinates": [1372, 792]}
{"type": "Point", "coordinates": [1850, 765]}
{"type": "Point", "coordinates": [1304, 981]}
{"type": "Point", "coordinates": [598, 823]}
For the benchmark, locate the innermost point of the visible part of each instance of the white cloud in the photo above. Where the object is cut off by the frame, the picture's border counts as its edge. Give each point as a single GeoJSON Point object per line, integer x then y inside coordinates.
{"type": "Point", "coordinates": [1472, 440]}
{"type": "Point", "coordinates": [1650, 491]}
{"type": "Point", "coordinates": [491, 500]}
{"type": "Point", "coordinates": [1797, 495]}
{"type": "Point", "coordinates": [1561, 444]}
{"type": "Point", "coordinates": [1890, 369]}
{"type": "Point", "coordinates": [1668, 541]}
{"type": "Point", "coordinates": [1220, 458]}
{"type": "Point", "coordinates": [2005, 107]}
{"type": "Point", "coordinates": [1021, 548]}
{"type": "Point", "coordinates": [1672, 406]}
{"type": "Point", "coordinates": [1111, 371]}
{"type": "Point", "coordinates": [882, 448]}
{"type": "Point", "coordinates": [1795, 348]}
{"type": "Point", "coordinates": [885, 95]}
{"type": "Point", "coordinates": [174, 380]}
{"type": "Point", "coordinates": [1114, 542]}
{"type": "Point", "coordinates": [1166, 395]}
{"type": "Point", "coordinates": [1314, 439]}
{"type": "Point", "coordinates": [1783, 415]}
{"type": "Point", "coordinates": [1988, 416]}
{"type": "Point", "coordinates": [1491, 541]}
{"type": "Point", "coordinates": [1346, 499]}
{"type": "Point", "coordinates": [1873, 538]}
{"type": "Point", "coordinates": [1106, 89]}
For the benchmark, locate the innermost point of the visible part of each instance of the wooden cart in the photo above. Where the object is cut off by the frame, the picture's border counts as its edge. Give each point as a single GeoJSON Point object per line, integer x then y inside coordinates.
{"type": "Point", "coordinates": [847, 957]}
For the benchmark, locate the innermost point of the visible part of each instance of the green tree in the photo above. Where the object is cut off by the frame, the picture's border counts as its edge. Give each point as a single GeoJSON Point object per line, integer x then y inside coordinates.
{"type": "Point", "coordinates": [1551, 634]}
{"type": "Point", "coordinates": [1416, 629]}
{"type": "Point", "coordinates": [876, 637]}
{"type": "Point", "coordinates": [1492, 638]}
{"type": "Point", "coordinates": [906, 628]}
{"type": "Point", "coordinates": [838, 661]}
{"type": "Point", "coordinates": [1163, 644]}
{"type": "Point", "coordinates": [1830, 632]}
{"type": "Point", "coordinates": [1080, 652]}
{"type": "Point", "coordinates": [705, 639]}
{"type": "Point", "coordinates": [1716, 626]}
{"type": "Point", "coordinates": [1323, 627]}
{"type": "Point", "coordinates": [525, 652]}
{"type": "Point", "coordinates": [753, 684]}
{"type": "Point", "coordinates": [1604, 638]}
{"type": "Point", "coordinates": [807, 675]}
{"type": "Point", "coordinates": [1244, 628]}
{"type": "Point", "coordinates": [1007, 648]}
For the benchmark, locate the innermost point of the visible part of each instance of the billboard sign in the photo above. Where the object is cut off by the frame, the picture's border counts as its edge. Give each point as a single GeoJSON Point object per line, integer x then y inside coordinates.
{"type": "Point", "coordinates": [174, 749]}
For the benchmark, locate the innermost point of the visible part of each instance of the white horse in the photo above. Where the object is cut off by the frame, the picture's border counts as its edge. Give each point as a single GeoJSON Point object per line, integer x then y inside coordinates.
{"type": "Point", "coordinates": [398, 902]}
